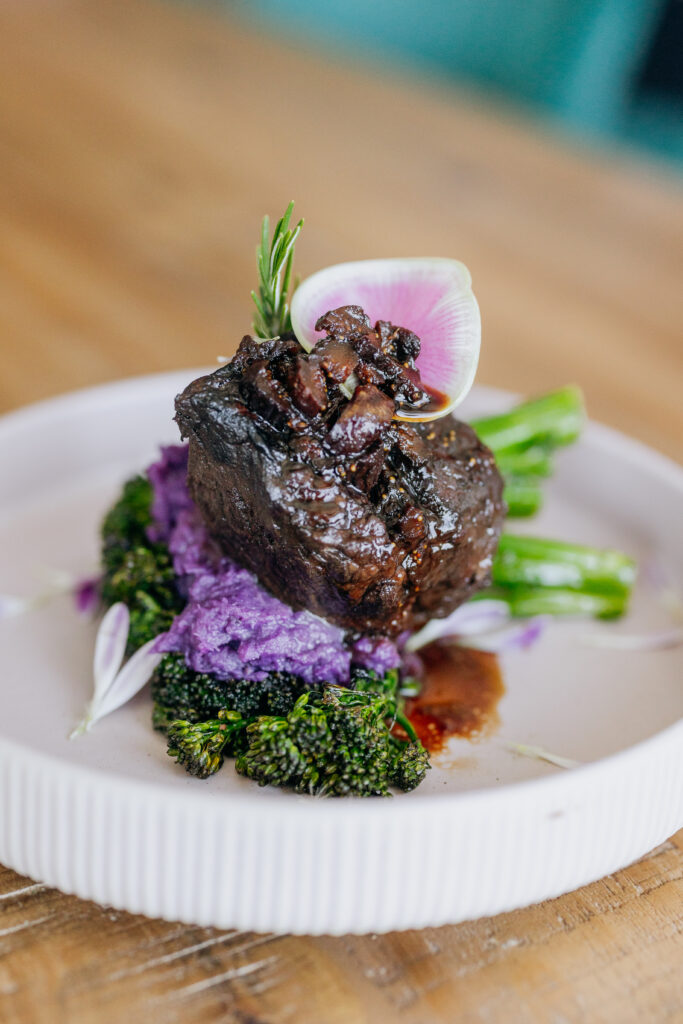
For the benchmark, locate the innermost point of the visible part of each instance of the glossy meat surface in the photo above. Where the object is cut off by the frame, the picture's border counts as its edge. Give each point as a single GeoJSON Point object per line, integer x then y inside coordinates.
{"type": "Point", "coordinates": [372, 523]}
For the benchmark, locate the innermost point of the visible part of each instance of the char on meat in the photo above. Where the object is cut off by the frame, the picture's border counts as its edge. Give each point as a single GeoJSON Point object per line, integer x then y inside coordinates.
{"type": "Point", "coordinates": [374, 523]}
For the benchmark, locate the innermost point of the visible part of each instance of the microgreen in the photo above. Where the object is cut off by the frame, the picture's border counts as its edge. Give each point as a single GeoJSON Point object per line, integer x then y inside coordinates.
{"type": "Point", "coordinates": [538, 754]}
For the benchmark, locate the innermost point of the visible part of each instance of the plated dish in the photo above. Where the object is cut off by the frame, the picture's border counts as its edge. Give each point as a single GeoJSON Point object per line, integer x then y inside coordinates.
{"type": "Point", "coordinates": [491, 824]}
{"type": "Point", "coordinates": [112, 818]}
{"type": "Point", "coordinates": [301, 577]}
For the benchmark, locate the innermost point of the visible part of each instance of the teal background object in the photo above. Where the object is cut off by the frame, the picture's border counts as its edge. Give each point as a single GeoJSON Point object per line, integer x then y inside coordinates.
{"type": "Point", "coordinates": [575, 60]}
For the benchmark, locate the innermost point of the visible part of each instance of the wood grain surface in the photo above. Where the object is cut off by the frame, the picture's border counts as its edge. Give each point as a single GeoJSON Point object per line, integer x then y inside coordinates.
{"type": "Point", "coordinates": [140, 144]}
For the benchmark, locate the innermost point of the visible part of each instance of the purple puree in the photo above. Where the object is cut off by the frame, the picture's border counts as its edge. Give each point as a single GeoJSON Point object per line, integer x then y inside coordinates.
{"type": "Point", "coordinates": [231, 626]}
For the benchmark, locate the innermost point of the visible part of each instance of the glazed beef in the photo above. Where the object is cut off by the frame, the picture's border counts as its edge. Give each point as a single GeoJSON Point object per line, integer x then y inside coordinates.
{"type": "Point", "coordinates": [374, 523]}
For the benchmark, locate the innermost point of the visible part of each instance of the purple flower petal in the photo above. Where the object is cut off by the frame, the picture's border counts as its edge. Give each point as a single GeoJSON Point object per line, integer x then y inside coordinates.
{"type": "Point", "coordinates": [57, 582]}
{"type": "Point", "coordinates": [516, 637]}
{"type": "Point", "coordinates": [86, 594]}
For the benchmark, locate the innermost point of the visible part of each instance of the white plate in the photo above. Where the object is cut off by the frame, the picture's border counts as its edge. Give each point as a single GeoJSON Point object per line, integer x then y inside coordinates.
{"type": "Point", "coordinates": [110, 817]}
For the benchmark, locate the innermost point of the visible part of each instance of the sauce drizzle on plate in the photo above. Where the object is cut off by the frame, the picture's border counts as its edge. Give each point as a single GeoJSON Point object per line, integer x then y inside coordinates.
{"type": "Point", "coordinates": [459, 697]}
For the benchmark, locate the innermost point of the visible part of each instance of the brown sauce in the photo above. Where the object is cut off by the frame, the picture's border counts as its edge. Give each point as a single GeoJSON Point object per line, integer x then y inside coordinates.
{"type": "Point", "coordinates": [459, 697]}
{"type": "Point", "coordinates": [438, 401]}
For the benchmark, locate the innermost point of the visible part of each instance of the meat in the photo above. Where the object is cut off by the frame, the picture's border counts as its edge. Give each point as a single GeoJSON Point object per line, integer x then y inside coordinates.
{"type": "Point", "coordinates": [373, 523]}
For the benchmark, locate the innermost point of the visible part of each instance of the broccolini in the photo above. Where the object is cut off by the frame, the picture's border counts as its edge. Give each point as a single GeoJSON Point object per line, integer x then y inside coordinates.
{"type": "Point", "coordinates": [180, 692]}
{"type": "Point", "coordinates": [136, 570]}
{"type": "Point", "coordinates": [523, 440]}
{"type": "Point", "coordinates": [201, 746]}
{"type": "Point", "coordinates": [332, 741]}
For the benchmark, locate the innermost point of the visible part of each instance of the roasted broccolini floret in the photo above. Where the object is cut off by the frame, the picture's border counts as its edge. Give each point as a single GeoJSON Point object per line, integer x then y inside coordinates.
{"type": "Point", "coordinates": [201, 746]}
{"type": "Point", "coordinates": [125, 524]}
{"type": "Point", "coordinates": [332, 740]}
{"type": "Point", "coordinates": [409, 764]}
{"type": "Point", "coordinates": [135, 570]}
{"type": "Point", "coordinates": [337, 743]}
{"type": "Point", "coordinates": [180, 692]}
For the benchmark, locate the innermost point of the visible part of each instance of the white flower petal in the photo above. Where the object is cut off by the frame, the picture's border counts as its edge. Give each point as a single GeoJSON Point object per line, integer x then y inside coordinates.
{"type": "Point", "coordinates": [57, 582]}
{"type": "Point", "coordinates": [470, 619]}
{"type": "Point", "coordinates": [110, 647]}
{"type": "Point", "coordinates": [517, 636]}
{"type": "Point", "coordinates": [129, 681]}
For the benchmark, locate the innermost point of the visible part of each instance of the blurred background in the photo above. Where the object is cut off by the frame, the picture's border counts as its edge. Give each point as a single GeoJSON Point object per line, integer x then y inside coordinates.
{"type": "Point", "coordinates": [601, 68]}
{"type": "Point", "coordinates": [141, 142]}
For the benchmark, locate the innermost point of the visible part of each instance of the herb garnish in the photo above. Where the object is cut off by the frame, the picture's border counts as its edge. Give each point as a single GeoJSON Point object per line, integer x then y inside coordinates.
{"type": "Point", "coordinates": [274, 261]}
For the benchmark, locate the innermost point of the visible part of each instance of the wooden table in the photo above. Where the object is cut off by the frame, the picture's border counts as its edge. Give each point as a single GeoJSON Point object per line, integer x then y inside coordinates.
{"type": "Point", "coordinates": [140, 145]}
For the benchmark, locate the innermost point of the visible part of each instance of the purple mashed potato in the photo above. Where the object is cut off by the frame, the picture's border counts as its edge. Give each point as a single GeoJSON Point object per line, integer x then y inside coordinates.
{"type": "Point", "coordinates": [168, 478]}
{"type": "Point", "coordinates": [231, 626]}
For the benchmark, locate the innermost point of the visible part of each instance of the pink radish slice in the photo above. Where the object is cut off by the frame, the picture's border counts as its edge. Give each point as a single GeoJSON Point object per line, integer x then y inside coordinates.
{"type": "Point", "coordinates": [432, 297]}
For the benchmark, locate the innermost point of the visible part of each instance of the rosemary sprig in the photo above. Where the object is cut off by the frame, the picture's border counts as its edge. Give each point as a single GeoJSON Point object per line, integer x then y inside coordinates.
{"type": "Point", "coordinates": [274, 261]}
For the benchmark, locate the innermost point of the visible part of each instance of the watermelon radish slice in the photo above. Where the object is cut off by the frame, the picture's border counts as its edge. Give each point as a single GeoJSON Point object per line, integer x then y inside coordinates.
{"type": "Point", "coordinates": [432, 297]}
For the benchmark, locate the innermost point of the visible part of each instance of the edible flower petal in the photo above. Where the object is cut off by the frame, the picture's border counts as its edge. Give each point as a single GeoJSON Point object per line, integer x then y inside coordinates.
{"type": "Point", "coordinates": [86, 594]}
{"type": "Point", "coordinates": [130, 680]}
{"type": "Point", "coordinates": [468, 620]}
{"type": "Point", "coordinates": [115, 686]}
{"type": "Point", "coordinates": [110, 646]}
{"type": "Point", "coordinates": [516, 637]}
{"type": "Point", "coordinates": [57, 582]}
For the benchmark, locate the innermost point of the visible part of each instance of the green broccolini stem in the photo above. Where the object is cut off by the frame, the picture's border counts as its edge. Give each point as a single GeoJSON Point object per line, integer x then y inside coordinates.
{"type": "Point", "coordinates": [526, 601]}
{"type": "Point", "coordinates": [536, 562]}
{"type": "Point", "coordinates": [554, 419]}
{"type": "Point", "coordinates": [522, 441]}
{"type": "Point", "coordinates": [405, 724]}
{"type": "Point", "coordinates": [522, 495]}
{"type": "Point", "coordinates": [136, 571]}
{"type": "Point", "coordinates": [536, 461]}
{"type": "Point", "coordinates": [274, 260]}
{"type": "Point", "coordinates": [536, 576]}
{"type": "Point", "coordinates": [200, 746]}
